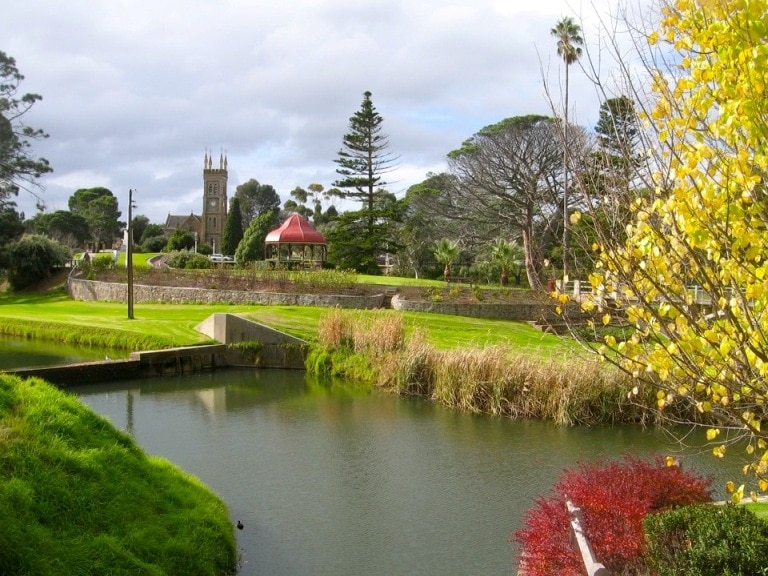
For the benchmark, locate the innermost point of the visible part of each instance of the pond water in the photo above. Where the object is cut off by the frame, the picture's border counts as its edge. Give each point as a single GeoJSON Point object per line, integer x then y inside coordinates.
{"type": "Point", "coordinates": [330, 479]}
{"type": "Point", "coordinates": [29, 353]}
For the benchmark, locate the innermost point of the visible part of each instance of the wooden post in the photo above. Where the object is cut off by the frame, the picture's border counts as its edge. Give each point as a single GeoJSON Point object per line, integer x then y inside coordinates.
{"type": "Point", "coordinates": [593, 567]}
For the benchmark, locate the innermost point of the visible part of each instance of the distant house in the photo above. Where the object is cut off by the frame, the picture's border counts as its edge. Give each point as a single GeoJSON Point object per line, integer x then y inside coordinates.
{"type": "Point", "coordinates": [190, 223]}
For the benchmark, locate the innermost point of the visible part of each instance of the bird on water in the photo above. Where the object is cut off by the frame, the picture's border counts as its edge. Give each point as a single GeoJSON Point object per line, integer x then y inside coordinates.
{"type": "Point", "coordinates": [240, 525]}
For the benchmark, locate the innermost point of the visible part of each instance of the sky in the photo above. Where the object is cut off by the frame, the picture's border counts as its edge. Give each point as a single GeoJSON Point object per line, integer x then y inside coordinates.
{"type": "Point", "coordinates": [136, 92]}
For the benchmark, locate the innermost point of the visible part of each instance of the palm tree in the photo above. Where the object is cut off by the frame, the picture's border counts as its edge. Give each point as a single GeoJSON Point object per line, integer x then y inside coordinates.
{"type": "Point", "coordinates": [569, 41]}
{"type": "Point", "coordinates": [446, 252]}
{"type": "Point", "coordinates": [507, 255]}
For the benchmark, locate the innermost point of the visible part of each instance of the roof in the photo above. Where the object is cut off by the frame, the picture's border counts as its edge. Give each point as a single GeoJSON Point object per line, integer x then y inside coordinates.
{"type": "Point", "coordinates": [176, 222]}
{"type": "Point", "coordinates": [295, 230]}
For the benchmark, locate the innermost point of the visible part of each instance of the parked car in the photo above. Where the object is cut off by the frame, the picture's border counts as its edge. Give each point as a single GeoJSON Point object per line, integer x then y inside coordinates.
{"type": "Point", "coordinates": [221, 258]}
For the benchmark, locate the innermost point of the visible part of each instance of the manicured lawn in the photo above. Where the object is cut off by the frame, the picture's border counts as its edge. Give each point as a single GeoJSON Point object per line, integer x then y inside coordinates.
{"type": "Point", "coordinates": [177, 322]}
{"type": "Point", "coordinates": [760, 509]}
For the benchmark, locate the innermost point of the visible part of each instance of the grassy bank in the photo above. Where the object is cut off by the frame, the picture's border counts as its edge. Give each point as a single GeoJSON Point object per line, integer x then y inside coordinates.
{"type": "Point", "coordinates": [79, 497]}
{"type": "Point", "coordinates": [565, 388]}
{"type": "Point", "coordinates": [55, 316]}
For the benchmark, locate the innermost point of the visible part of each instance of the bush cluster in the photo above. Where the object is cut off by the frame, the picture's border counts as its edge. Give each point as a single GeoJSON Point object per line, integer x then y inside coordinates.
{"type": "Point", "coordinates": [154, 244]}
{"type": "Point", "coordinates": [707, 541]}
{"type": "Point", "coordinates": [34, 258]}
{"type": "Point", "coordinates": [614, 497]}
{"type": "Point", "coordinates": [189, 260]}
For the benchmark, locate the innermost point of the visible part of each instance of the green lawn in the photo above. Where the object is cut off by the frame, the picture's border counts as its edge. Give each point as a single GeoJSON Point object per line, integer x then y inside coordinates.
{"type": "Point", "coordinates": [760, 509]}
{"type": "Point", "coordinates": [177, 322]}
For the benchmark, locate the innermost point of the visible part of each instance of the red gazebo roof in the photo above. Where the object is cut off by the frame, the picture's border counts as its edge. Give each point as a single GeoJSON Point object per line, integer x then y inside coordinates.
{"type": "Point", "coordinates": [295, 230]}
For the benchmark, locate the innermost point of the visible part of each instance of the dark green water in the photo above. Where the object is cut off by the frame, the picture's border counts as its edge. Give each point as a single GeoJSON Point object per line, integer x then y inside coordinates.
{"type": "Point", "coordinates": [330, 480]}
{"type": "Point", "coordinates": [29, 353]}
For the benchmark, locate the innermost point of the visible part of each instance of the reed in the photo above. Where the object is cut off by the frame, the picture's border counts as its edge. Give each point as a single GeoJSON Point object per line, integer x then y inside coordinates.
{"type": "Point", "coordinates": [490, 380]}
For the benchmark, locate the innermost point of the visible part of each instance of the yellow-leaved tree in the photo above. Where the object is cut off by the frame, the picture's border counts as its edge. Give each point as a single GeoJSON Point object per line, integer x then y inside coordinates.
{"type": "Point", "coordinates": [691, 275]}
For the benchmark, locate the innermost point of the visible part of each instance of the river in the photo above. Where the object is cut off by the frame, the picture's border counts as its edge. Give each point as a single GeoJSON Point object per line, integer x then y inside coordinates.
{"type": "Point", "coordinates": [332, 479]}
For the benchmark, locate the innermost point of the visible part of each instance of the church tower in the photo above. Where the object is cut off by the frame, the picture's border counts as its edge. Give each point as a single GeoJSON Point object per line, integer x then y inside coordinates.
{"type": "Point", "coordinates": [214, 202]}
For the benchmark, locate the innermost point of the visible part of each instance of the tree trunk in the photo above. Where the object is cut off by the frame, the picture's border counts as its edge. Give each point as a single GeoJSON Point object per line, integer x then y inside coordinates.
{"type": "Point", "coordinates": [530, 261]}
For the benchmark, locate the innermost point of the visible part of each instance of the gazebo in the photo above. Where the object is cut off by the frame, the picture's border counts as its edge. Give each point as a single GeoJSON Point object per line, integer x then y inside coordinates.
{"type": "Point", "coordinates": [295, 242]}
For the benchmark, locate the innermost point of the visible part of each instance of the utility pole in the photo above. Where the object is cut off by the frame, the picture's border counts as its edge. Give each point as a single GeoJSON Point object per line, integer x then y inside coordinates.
{"type": "Point", "coordinates": [129, 254]}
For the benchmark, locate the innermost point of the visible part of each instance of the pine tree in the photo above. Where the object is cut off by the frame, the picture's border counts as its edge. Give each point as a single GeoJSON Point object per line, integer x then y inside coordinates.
{"type": "Point", "coordinates": [233, 229]}
{"type": "Point", "coordinates": [363, 161]}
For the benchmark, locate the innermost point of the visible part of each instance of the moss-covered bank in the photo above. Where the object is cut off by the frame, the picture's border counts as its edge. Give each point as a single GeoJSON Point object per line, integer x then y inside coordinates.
{"type": "Point", "coordinates": [78, 496]}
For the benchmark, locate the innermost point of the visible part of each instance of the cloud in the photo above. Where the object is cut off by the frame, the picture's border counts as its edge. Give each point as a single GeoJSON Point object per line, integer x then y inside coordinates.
{"type": "Point", "coordinates": [135, 92]}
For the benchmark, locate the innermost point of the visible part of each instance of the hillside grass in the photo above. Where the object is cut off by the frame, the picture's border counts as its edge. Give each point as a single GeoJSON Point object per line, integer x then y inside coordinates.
{"type": "Point", "coordinates": [78, 496]}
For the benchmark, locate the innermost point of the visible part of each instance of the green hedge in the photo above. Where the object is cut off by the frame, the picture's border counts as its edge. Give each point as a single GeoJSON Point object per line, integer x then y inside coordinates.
{"type": "Point", "coordinates": [706, 540]}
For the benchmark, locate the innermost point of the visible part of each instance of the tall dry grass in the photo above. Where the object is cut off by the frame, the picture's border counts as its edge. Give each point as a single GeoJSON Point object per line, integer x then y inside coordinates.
{"type": "Point", "coordinates": [489, 380]}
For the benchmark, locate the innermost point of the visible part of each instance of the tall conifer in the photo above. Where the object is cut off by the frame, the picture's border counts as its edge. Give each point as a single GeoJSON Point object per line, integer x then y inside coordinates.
{"type": "Point", "coordinates": [233, 229]}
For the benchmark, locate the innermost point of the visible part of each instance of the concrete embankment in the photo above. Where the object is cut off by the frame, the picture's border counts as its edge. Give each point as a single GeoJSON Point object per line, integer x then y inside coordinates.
{"type": "Point", "coordinates": [243, 344]}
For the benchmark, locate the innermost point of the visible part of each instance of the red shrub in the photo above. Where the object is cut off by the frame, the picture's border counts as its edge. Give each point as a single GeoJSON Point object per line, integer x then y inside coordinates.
{"type": "Point", "coordinates": [614, 498]}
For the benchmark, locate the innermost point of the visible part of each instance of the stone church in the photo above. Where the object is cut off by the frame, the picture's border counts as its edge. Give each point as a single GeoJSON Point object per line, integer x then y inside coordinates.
{"type": "Point", "coordinates": [208, 228]}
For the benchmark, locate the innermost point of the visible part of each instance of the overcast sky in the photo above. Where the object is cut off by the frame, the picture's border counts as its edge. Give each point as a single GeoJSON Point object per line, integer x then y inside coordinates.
{"type": "Point", "coordinates": [135, 92]}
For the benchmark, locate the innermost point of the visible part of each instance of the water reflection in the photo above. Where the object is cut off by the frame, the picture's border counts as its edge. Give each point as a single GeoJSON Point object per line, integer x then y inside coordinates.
{"type": "Point", "coordinates": [29, 353]}
{"type": "Point", "coordinates": [336, 480]}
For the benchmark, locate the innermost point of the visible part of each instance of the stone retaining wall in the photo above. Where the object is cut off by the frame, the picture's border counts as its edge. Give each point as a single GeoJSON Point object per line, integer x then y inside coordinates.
{"type": "Point", "coordinates": [91, 290]}
{"type": "Point", "coordinates": [524, 312]}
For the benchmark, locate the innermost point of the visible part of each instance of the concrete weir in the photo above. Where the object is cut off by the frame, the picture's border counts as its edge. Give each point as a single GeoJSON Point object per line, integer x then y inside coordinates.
{"type": "Point", "coordinates": [243, 343]}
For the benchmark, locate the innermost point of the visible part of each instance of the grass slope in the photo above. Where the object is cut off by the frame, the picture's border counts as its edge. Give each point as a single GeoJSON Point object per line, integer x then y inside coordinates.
{"type": "Point", "coordinates": [79, 497]}
{"type": "Point", "coordinates": [56, 316]}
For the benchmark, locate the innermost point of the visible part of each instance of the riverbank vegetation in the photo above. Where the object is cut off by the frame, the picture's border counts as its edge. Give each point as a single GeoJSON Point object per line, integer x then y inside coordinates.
{"type": "Point", "coordinates": [78, 496]}
{"type": "Point", "coordinates": [492, 379]}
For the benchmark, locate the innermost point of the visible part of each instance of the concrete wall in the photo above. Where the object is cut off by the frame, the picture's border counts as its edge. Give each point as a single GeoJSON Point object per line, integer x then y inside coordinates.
{"type": "Point", "coordinates": [266, 347]}
{"type": "Point", "coordinates": [112, 292]}
{"type": "Point", "coordinates": [152, 363]}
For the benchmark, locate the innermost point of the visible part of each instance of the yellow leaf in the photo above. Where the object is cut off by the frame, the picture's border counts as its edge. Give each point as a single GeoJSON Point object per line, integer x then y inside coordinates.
{"type": "Point", "coordinates": [737, 496]}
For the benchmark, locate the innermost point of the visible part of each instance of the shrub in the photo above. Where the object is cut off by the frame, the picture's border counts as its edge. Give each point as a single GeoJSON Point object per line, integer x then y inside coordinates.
{"type": "Point", "coordinates": [33, 258]}
{"type": "Point", "coordinates": [614, 498]}
{"type": "Point", "coordinates": [707, 541]}
{"type": "Point", "coordinates": [204, 249]}
{"type": "Point", "coordinates": [102, 262]}
{"type": "Point", "coordinates": [181, 240]}
{"type": "Point", "coordinates": [189, 261]}
{"type": "Point", "coordinates": [154, 244]}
